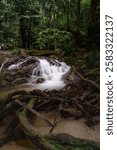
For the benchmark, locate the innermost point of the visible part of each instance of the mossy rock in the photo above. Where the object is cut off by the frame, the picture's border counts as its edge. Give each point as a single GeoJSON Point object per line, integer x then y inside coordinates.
{"type": "Point", "coordinates": [64, 141]}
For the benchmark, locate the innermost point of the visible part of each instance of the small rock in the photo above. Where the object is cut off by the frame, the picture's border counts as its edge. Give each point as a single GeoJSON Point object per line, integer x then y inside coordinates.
{"type": "Point", "coordinates": [40, 80]}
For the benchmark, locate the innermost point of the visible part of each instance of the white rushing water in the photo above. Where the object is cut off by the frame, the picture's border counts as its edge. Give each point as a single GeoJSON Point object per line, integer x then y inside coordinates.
{"type": "Point", "coordinates": [16, 66]}
{"type": "Point", "coordinates": [3, 65]}
{"type": "Point", "coordinates": [49, 71]}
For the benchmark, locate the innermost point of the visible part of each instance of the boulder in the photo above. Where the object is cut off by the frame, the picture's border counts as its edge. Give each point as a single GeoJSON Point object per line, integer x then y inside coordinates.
{"type": "Point", "coordinates": [40, 80]}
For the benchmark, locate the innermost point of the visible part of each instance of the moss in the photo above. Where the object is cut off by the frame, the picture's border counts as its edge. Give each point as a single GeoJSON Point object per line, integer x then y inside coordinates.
{"type": "Point", "coordinates": [73, 145]}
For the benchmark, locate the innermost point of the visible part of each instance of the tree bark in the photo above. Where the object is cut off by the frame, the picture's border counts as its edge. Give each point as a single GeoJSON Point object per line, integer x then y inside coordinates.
{"type": "Point", "coordinates": [68, 14]}
{"type": "Point", "coordinates": [78, 22]}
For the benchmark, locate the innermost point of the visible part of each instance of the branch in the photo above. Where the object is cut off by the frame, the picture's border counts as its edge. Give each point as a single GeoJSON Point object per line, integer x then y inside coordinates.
{"type": "Point", "coordinates": [33, 111]}
{"type": "Point", "coordinates": [86, 80]}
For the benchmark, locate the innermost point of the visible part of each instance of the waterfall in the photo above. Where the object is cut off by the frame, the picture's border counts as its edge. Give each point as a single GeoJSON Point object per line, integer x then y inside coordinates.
{"type": "Point", "coordinates": [46, 74]}
{"type": "Point", "coordinates": [52, 73]}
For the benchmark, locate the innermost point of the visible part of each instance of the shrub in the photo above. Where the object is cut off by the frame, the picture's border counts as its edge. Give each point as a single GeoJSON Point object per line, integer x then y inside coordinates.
{"type": "Point", "coordinates": [93, 59]}
{"type": "Point", "coordinates": [16, 51]}
{"type": "Point", "coordinates": [54, 39]}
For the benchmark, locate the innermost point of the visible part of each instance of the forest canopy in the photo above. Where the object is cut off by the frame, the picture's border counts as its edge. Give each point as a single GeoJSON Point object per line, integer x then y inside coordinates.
{"type": "Point", "coordinates": [63, 25]}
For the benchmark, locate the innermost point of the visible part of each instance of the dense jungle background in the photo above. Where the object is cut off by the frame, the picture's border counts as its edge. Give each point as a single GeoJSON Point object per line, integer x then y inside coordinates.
{"type": "Point", "coordinates": [57, 31]}
{"type": "Point", "coordinates": [65, 26]}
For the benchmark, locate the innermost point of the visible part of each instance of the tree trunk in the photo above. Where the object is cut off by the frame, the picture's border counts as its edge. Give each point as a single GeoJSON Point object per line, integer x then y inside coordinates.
{"type": "Point", "coordinates": [29, 33]}
{"type": "Point", "coordinates": [23, 33]}
{"type": "Point", "coordinates": [78, 22]}
{"type": "Point", "coordinates": [93, 11]}
{"type": "Point", "coordinates": [94, 23]}
{"type": "Point", "coordinates": [68, 14]}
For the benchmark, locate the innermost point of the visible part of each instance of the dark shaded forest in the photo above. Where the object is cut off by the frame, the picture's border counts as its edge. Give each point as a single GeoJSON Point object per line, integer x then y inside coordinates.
{"type": "Point", "coordinates": [64, 26]}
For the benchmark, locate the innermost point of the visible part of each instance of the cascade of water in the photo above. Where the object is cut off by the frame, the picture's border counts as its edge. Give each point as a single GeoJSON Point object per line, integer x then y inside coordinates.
{"type": "Point", "coordinates": [3, 65]}
{"type": "Point", "coordinates": [48, 73]}
{"type": "Point", "coordinates": [13, 67]}
{"type": "Point", "coordinates": [52, 74]}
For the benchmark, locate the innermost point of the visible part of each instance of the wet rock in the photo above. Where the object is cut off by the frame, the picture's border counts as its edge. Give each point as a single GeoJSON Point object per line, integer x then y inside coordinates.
{"type": "Point", "coordinates": [29, 61]}
{"type": "Point", "coordinates": [25, 71]}
{"type": "Point", "coordinates": [28, 66]}
{"type": "Point", "coordinates": [11, 61]}
{"type": "Point", "coordinates": [19, 81]}
{"type": "Point", "coordinates": [53, 61]}
{"type": "Point", "coordinates": [40, 80]}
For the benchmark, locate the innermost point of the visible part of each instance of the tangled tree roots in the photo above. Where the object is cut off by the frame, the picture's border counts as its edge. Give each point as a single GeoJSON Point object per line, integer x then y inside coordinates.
{"type": "Point", "coordinates": [73, 101]}
{"type": "Point", "coordinates": [53, 141]}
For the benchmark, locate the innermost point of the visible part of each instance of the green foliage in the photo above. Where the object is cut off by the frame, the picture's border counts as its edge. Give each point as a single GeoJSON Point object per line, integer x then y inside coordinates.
{"type": "Point", "coordinates": [85, 10]}
{"type": "Point", "coordinates": [74, 144]}
{"type": "Point", "coordinates": [54, 39]}
{"type": "Point", "coordinates": [16, 51]}
{"type": "Point", "coordinates": [21, 21]}
{"type": "Point", "coordinates": [92, 59]}
{"type": "Point", "coordinates": [8, 30]}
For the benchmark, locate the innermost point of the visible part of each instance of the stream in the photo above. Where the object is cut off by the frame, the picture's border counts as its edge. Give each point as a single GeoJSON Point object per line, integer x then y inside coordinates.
{"type": "Point", "coordinates": [74, 127]}
{"type": "Point", "coordinates": [43, 74]}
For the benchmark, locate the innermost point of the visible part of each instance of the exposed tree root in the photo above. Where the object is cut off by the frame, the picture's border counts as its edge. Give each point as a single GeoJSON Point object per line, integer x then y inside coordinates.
{"type": "Point", "coordinates": [79, 99]}
{"type": "Point", "coordinates": [87, 80]}
{"type": "Point", "coordinates": [53, 141]}
{"type": "Point", "coordinates": [33, 111]}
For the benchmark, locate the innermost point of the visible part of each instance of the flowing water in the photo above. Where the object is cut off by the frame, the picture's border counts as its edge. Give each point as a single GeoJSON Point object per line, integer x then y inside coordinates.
{"type": "Point", "coordinates": [6, 91]}
{"type": "Point", "coordinates": [76, 128]}
{"type": "Point", "coordinates": [16, 66]}
{"type": "Point", "coordinates": [52, 73]}
{"type": "Point", "coordinates": [3, 64]}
